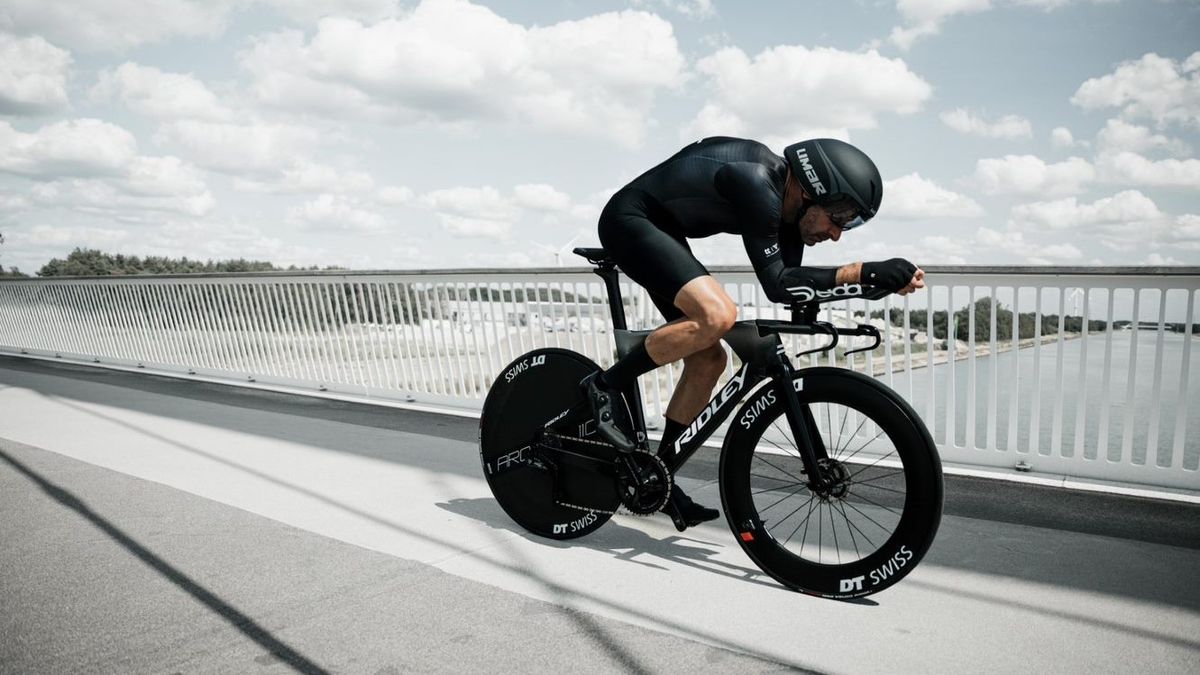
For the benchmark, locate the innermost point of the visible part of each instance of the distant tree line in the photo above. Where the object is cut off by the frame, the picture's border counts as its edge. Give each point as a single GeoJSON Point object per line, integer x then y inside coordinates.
{"type": "Point", "coordinates": [918, 320]}
{"type": "Point", "coordinates": [92, 262]}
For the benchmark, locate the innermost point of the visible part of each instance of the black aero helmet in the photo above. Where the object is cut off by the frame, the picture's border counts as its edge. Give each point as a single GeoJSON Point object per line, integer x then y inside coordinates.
{"type": "Point", "coordinates": [832, 171]}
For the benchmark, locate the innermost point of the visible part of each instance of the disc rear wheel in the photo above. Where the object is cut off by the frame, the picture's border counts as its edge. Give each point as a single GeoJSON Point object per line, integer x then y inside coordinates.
{"type": "Point", "coordinates": [533, 482]}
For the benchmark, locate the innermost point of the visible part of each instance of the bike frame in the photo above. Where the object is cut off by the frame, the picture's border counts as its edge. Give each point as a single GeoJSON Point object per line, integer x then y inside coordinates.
{"type": "Point", "coordinates": [758, 345]}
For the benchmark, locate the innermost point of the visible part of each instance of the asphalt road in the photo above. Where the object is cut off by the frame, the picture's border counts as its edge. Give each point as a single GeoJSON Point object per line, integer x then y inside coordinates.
{"type": "Point", "coordinates": [157, 525]}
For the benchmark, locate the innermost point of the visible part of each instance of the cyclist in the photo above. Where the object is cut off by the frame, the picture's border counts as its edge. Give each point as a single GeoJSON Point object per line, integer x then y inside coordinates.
{"type": "Point", "coordinates": [778, 205]}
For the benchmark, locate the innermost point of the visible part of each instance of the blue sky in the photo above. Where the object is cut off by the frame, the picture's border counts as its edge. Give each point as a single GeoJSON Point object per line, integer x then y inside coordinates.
{"type": "Point", "coordinates": [376, 134]}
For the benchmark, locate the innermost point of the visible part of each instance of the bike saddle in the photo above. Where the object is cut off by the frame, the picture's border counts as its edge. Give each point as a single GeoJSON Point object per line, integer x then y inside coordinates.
{"type": "Point", "coordinates": [596, 256]}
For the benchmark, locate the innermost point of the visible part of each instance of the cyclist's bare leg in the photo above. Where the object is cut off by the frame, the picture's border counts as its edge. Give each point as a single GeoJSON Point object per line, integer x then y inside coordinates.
{"type": "Point", "coordinates": [709, 314]}
{"type": "Point", "coordinates": [700, 374]}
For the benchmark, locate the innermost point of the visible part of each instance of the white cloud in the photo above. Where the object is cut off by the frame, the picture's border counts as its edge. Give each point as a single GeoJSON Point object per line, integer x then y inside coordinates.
{"type": "Point", "coordinates": [394, 195]}
{"type": "Point", "coordinates": [476, 227]}
{"type": "Point", "coordinates": [541, 197]}
{"type": "Point", "coordinates": [1027, 174]}
{"type": "Point", "coordinates": [125, 200]}
{"type": "Point", "coordinates": [240, 148]}
{"type": "Point", "coordinates": [146, 184]}
{"type": "Point", "coordinates": [497, 259]}
{"type": "Point", "coordinates": [1061, 137]}
{"type": "Point", "coordinates": [307, 176]}
{"type": "Point", "coordinates": [12, 204]}
{"type": "Point", "coordinates": [149, 91]}
{"type": "Point", "coordinates": [72, 236]}
{"type": "Point", "coordinates": [114, 25]}
{"type": "Point", "coordinates": [1181, 234]}
{"type": "Point", "coordinates": [484, 203]}
{"type": "Point", "coordinates": [194, 239]}
{"type": "Point", "coordinates": [1152, 87]}
{"type": "Point", "coordinates": [1028, 252]}
{"type": "Point", "coordinates": [486, 212]}
{"type": "Point", "coordinates": [958, 249]}
{"type": "Point", "coordinates": [279, 65]}
{"type": "Point", "coordinates": [771, 96]}
{"type": "Point", "coordinates": [1008, 126]}
{"type": "Point", "coordinates": [586, 213]}
{"type": "Point", "coordinates": [451, 61]}
{"type": "Point", "coordinates": [943, 250]}
{"type": "Point", "coordinates": [1186, 227]}
{"type": "Point", "coordinates": [1158, 260]}
{"type": "Point", "coordinates": [1124, 208]}
{"type": "Point", "coordinates": [335, 212]}
{"type": "Point", "coordinates": [1055, 4]}
{"type": "Point", "coordinates": [1119, 135]}
{"type": "Point", "coordinates": [696, 9]}
{"type": "Point", "coordinates": [1122, 147]}
{"type": "Point", "coordinates": [83, 147]}
{"type": "Point", "coordinates": [923, 18]}
{"type": "Point", "coordinates": [914, 197]}
{"type": "Point", "coordinates": [33, 76]}
{"type": "Point", "coordinates": [93, 167]}
{"type": "Point", "coordinates": [157, 176]}
{"type": "Point", "coordinates": [1133, 169]}
{"type": "Point", "coordinates": [309, 11]}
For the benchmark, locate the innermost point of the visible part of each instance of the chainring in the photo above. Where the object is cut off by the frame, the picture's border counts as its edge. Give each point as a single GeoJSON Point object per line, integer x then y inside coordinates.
{"type": "Point", "coordinates": [643, 482]}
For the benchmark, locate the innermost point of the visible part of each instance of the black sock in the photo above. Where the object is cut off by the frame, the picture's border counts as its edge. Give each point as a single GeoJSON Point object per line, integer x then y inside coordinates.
{"type": "Point", "coordinates": [627, 369]}
{"type": "Point", "coordinates": [671, 432]}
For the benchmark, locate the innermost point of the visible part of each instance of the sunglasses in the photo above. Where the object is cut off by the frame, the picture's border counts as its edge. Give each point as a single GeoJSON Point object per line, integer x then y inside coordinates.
{"type": "Point", "coordinates": [847, 219]}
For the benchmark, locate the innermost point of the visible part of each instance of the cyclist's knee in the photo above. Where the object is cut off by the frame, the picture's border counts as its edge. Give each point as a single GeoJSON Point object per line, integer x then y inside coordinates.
{"type": "Point", "coordinates": [704, 301]}
{"type": "Point", "coordinates": [715, 322]}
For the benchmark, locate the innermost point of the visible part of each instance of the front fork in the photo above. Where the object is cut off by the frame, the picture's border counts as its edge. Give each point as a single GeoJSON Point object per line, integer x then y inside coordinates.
{"type": "Point", "coordinates": [804, 426]}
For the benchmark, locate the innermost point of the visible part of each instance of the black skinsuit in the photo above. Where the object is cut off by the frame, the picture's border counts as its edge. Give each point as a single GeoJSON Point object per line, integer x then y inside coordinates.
{"type": "Point", "coordinates": [718, 184]}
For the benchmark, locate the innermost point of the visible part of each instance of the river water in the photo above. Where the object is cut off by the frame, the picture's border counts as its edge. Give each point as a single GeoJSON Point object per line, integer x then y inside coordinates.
{"type": "Point", "coordinates": [1139, 414]}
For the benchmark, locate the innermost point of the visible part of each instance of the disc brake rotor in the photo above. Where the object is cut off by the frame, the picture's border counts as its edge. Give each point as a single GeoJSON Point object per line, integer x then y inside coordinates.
{"type": "Point", "coordinates": [838, 479]}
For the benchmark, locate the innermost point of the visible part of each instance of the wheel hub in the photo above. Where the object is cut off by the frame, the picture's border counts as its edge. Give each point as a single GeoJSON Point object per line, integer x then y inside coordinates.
{"type": "Point", "coordinates": [837, 480]}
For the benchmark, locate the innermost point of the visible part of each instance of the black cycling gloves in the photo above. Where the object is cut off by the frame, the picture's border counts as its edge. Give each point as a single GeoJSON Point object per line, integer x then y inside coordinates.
{"type": "Point", "coordinates": [891, 275]}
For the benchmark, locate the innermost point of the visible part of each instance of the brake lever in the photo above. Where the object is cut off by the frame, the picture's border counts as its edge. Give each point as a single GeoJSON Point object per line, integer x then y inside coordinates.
{"type": "Point", "coordinates": [827, 328]}
{"type": "Point", "coordinates": [869, 331]}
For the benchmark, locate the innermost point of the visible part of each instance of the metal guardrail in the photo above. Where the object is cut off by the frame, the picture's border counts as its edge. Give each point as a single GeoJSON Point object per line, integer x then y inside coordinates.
{"type": "Point", "coordinates": [1099, 402]}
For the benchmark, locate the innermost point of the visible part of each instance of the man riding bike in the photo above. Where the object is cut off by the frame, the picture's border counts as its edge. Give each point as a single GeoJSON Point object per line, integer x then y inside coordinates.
{"type": "Point", "coordinates": [778, 205]}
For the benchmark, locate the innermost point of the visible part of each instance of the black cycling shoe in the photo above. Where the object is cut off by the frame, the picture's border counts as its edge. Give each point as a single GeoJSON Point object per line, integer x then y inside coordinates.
{"type": "Point", "coordinates": [602, 409]}
{"type": "Point", "coordinates": [684, 512]}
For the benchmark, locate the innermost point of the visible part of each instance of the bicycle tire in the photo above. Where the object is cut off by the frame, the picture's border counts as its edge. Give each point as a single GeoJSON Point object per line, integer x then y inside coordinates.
{"type": "Point", "coordinates": [896, 480]}
{"type": "Point", "coordinates": [535, 389]}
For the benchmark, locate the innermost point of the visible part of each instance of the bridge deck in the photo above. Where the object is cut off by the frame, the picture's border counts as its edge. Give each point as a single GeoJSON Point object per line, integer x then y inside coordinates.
{"type": "Point", "coordinates": [157, 525]}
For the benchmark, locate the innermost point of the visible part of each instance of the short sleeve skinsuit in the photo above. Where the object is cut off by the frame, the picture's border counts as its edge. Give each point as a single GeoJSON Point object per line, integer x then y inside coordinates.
{"type": "Point", "coordinates": [714, 185]}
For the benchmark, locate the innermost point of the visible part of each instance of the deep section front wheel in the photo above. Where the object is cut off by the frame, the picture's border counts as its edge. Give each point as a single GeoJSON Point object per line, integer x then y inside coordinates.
{"type": "Point", "coordinates": [532, 481]}
{"type": "Point", "coordinates": [876, 516]}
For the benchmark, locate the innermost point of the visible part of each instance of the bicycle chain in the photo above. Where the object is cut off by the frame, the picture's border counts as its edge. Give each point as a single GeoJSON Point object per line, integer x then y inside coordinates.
{"type": "Point", "coordinates": [588, 441]}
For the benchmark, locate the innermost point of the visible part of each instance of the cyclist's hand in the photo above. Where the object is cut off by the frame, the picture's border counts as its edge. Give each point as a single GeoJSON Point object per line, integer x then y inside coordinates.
{"type": "Point", "coordinates": [895, 275]}
{"type": "Point", "coordinates": [917, 281]}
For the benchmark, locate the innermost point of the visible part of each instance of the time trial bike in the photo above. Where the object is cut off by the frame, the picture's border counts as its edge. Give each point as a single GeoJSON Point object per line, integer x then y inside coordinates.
{"type": "Point", "coordinates": [829, 479]}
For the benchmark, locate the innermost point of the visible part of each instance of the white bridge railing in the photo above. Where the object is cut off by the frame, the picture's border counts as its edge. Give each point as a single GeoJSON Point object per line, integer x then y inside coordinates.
{"type": "Point", "coordinates": [1077, 372]}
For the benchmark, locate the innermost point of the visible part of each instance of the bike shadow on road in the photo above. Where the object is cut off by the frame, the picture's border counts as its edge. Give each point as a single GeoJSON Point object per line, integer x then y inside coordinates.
{"type": "Point", "coordinates": [626, 543]}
